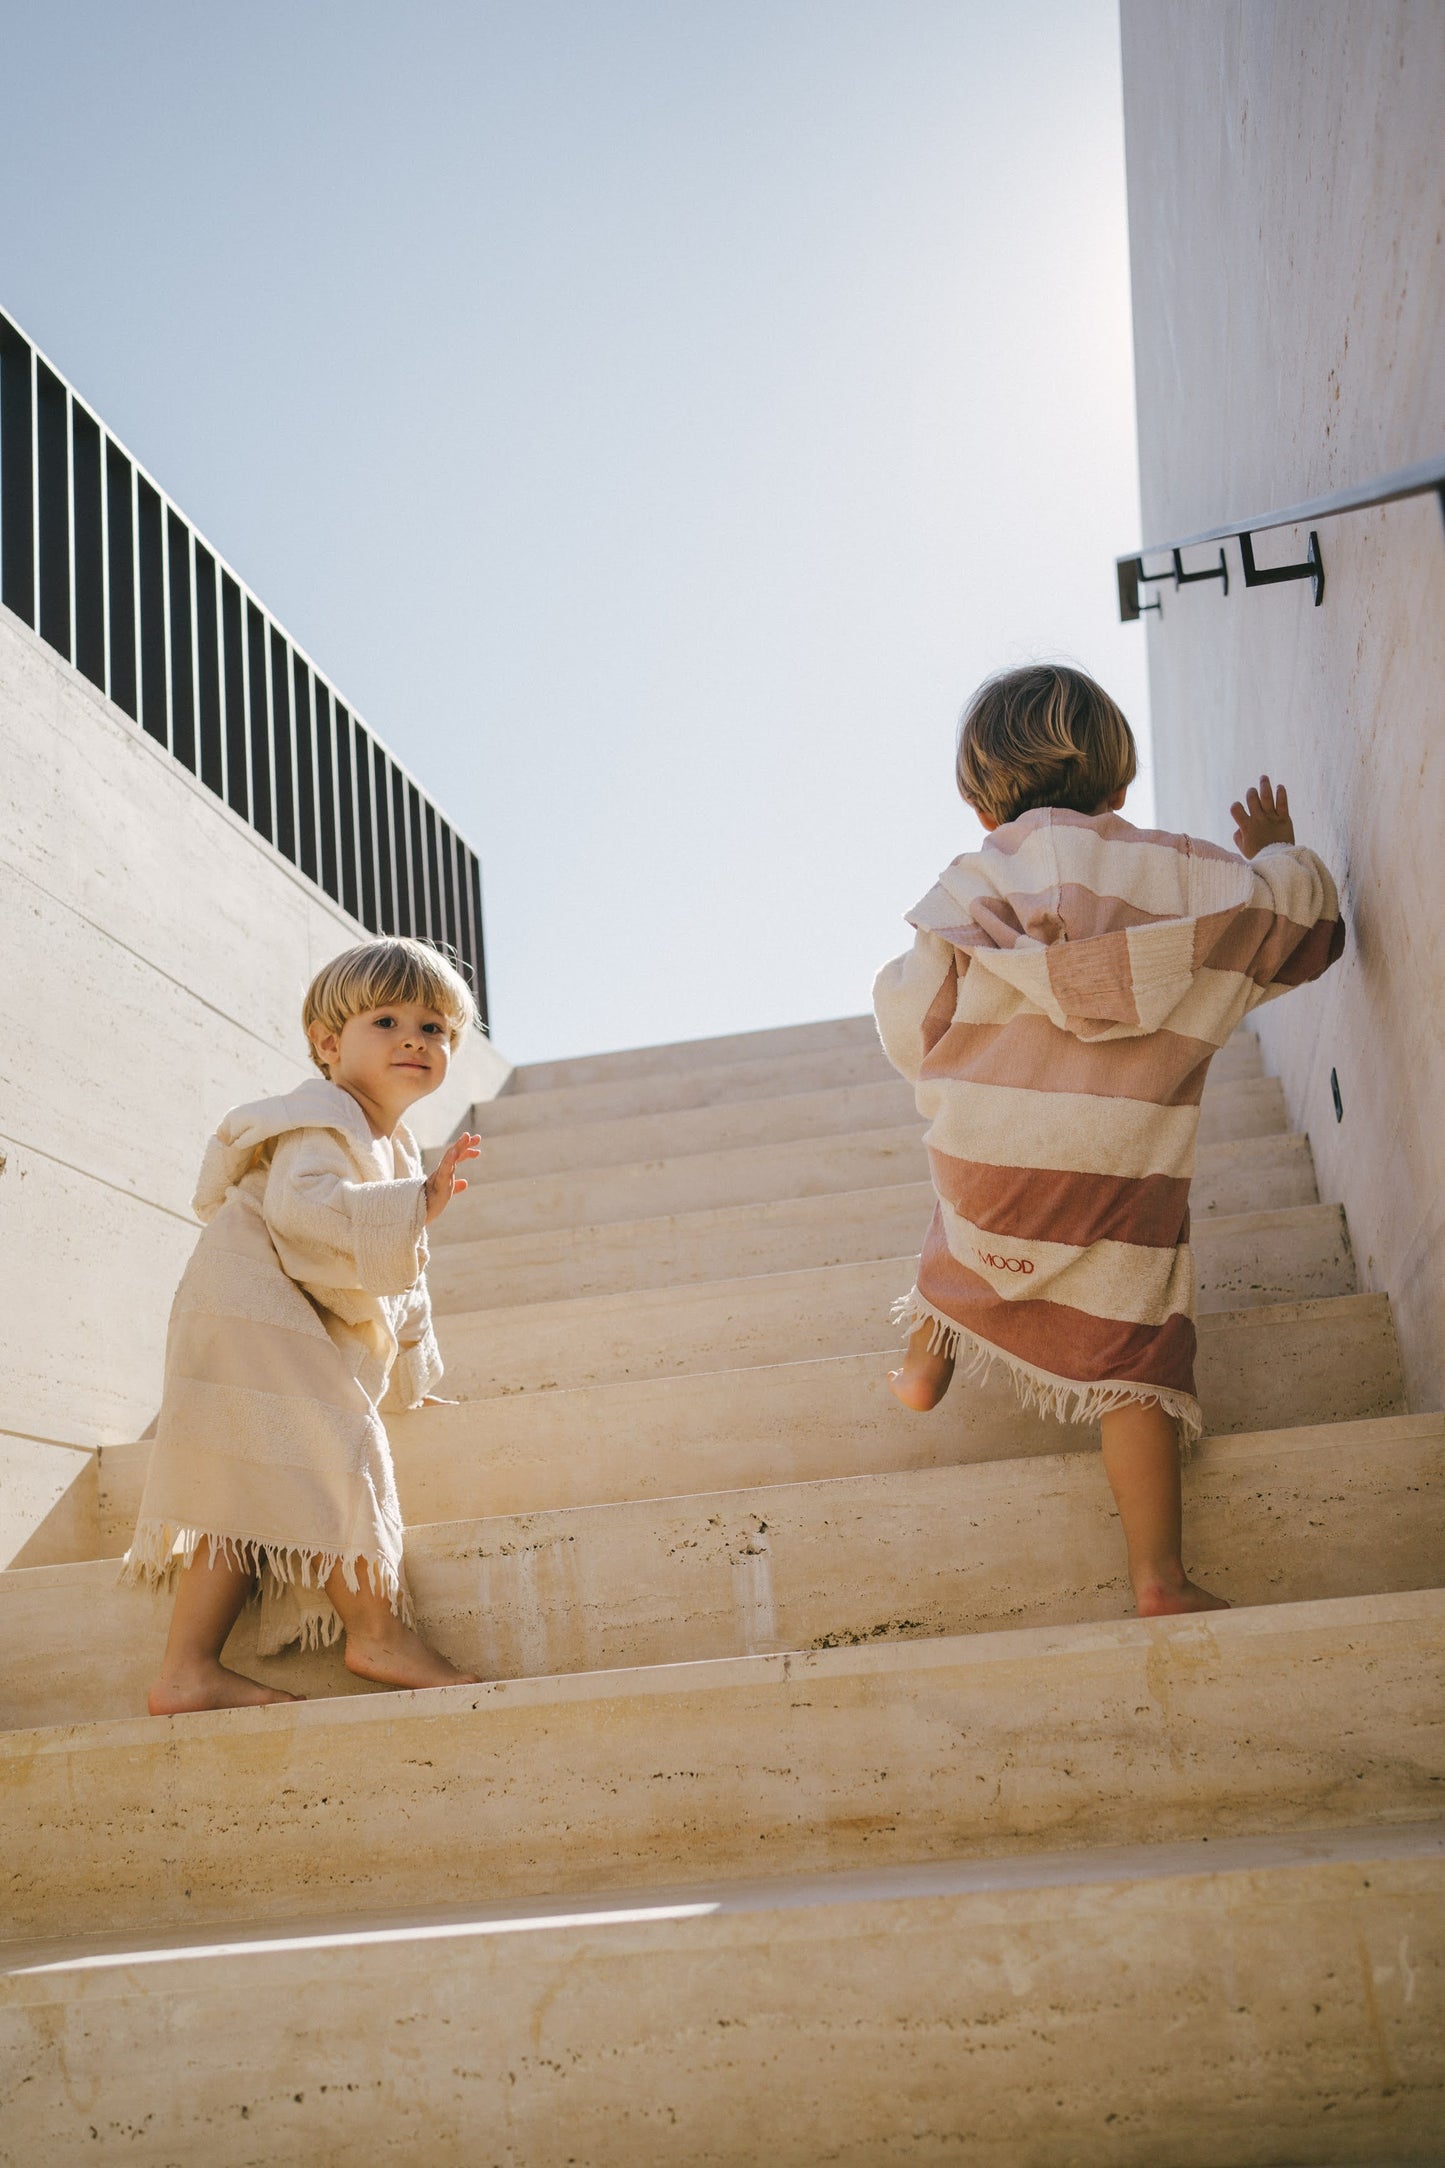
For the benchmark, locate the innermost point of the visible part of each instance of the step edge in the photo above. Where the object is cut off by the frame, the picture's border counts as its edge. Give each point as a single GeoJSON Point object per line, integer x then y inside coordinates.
{"type": "Point", "coordinates": [781, 1670]}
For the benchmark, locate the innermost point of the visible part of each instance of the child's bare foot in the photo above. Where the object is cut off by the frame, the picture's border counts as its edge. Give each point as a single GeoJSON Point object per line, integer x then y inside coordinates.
{"type": "Point", "coordinates": [393, 1655]}
{"type": "Point", "coordinates": [1161, 1598]}
{"type": "Point", "coordinates": [925, 1376]}
{"type": "Point", "coordinates": [205, 1684]}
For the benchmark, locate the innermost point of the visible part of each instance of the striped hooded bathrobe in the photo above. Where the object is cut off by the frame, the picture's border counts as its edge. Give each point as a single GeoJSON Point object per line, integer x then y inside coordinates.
{"type": "Point", "coordinates": [1067, 988]}
{"type": "Point", "coordinates": [302, 1313]}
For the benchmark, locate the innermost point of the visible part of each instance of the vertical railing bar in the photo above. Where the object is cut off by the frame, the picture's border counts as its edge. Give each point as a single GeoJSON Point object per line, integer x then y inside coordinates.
{"type": "Point", "coordinates": [35, 487]}
{"type": "Point", "coordinates": [200, 727]}
{"type": "Point", "coordinates": [166, 624]}
{"type": "Point", "coordinates": [135, 592]}
{"type": "Point", "coordinates": [105, 553]}
{"type": "Point", "coordinates": [222, 703]}
{"type": "Point", "coordinates": [245, 638]}
{"type": "Point", "coordinates": [70, 521]}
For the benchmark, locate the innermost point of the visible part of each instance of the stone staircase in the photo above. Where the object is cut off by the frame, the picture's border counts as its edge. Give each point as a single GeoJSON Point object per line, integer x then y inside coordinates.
{"type": "Point", "coordinates": [827, 1805]}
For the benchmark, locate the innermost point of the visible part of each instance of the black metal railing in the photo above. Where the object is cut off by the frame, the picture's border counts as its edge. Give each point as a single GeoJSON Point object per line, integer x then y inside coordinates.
{"type": "Point", "coordinates": [1418, 481]}
{"type": "Point", "coordinates": [96, 559]}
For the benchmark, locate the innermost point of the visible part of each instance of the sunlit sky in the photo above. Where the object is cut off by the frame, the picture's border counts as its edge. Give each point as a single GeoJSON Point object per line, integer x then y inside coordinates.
{"type": "Point", "coordinates": [654, 415]}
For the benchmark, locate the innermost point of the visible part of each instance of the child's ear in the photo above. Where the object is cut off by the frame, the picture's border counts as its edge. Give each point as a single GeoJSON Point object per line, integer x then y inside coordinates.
{"type": "Point", "coordinates": [324, 1041]}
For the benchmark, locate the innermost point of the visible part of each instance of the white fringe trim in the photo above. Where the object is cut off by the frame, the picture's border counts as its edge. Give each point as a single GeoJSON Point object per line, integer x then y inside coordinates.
{"type": "Point", "coordinates": [1067, 1400]}
{"type": "Point", "coordinates": [159, 1553]}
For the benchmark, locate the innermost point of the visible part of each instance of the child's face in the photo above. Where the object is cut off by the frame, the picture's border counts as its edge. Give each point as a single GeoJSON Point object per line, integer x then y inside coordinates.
{"type": "Point", "coordinates": [388, 1058]}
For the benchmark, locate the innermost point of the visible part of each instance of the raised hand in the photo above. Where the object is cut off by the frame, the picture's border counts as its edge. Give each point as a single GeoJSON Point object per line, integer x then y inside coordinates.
{"type": "Point", "coordinates": [444, 1183]}
{"type": "Point", "coordinates": [1263, 818]}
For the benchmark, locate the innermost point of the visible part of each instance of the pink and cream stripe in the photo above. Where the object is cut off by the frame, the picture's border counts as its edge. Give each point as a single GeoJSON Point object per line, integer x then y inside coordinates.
{"type": "Point", "coordinates": [1066, 991]}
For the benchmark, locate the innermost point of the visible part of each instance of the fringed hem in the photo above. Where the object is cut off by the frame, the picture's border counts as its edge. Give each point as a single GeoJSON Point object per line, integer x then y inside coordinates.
{"type": "Point", "coordinates": [159, 1553]}
{"type": "Point", "coordinates": [1067, 1400]}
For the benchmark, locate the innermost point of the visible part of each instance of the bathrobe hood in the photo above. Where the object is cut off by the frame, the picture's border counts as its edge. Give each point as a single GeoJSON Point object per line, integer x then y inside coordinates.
{"type": "Point", "coordinates": [1104, 939]}
{"type": "Point", "coordinates": [316, 1104]}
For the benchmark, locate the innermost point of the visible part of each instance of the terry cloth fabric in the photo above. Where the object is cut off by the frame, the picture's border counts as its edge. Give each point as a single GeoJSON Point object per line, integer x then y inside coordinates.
{"type": "Point", "coordinates": [1066, 990]}
{"type": "Point", "coordinates": [302, 1310]}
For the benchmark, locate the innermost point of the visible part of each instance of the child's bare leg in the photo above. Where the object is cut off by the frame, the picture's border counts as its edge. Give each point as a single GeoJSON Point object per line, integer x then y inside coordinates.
{"type": "Point", "coordinates": [1141, 1460]}
{"type": "Point", "coordinates": [924, 1378]}
{"type": "Point", "coordinates": [379, 1646]}
{"type": "Point", "coordinates": [208, 1603]}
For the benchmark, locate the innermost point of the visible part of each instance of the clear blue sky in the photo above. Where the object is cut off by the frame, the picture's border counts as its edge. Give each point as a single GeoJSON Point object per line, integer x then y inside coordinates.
{"type": "Point", "coordinates": [655, 415]}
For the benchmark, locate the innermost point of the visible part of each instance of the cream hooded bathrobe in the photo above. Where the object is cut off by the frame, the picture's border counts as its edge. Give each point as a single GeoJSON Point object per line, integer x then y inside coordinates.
{"type": "Point", "coordinates": [303, 1308]}
{"type": "Point", "coordinates": [1067, 989]}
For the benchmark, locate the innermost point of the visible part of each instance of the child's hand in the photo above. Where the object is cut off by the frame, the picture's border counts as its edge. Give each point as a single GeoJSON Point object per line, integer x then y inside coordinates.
{"type": "Point", "coordinates": [1264, 819]}
{"type": "Point", "coordinates": [444, 1183]}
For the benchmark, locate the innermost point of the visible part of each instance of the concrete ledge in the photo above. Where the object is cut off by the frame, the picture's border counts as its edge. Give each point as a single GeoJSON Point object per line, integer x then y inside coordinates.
{"type": "Point", "coordinates": [786, 2022]}
{"type": "Point", "coordinates": [1302, 1716]}
{"type": "Point", "coordinates": [1346, 1510]}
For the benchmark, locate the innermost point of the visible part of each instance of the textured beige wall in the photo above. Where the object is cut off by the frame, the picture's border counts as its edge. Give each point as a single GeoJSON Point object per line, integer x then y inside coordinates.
{"type": "Point", "coordinates": [1285, 208]}
{"type": "Point", "coordinates": [152, 964]}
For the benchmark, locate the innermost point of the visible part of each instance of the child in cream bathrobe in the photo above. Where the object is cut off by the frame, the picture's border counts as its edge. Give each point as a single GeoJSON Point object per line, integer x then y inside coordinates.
{"type": "Point", "coordinates": [302, 1312]}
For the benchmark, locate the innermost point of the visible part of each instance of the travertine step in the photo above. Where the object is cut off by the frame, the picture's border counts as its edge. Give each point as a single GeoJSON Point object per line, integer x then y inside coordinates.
{"type": "Point", "coordinates": [709, 1077]}
{"type": "Point", "coordinates": [1259, 1258]}
{"type": "Point", "coordinates": [1355, 1509]}
{"type": "Point", "coordinates": [1297, 1363]}
{"type": "Point", "coordinates": [814, 1166]}
{"type": "Point", "coordinates": [1295, 1716]}
{"type": "Point", "coordinates": [781, 1042]}
{"type": "Point", "coordinates": [1241, 1999]}
{"type": "Point", "coordinates": [841, 1110]}
{"type": "Point", "coordinates": [729, 1084]}
{"type": "Point", "coordinates": [798, 1166]}
{"type": "Point", "coordinates": [834, 1112]}
{"type": "Point", "coordinates": [882, 1218]}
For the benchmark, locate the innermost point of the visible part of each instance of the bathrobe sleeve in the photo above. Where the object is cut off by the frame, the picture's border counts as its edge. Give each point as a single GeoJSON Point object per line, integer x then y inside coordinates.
{"type": "Point", "coordinates": [333, 1231]}
{"type": "Point", "coordinates": [418, 1367]}
{"type": "Point", "coordinates": [1291, 929]}
{"type": "Point", "coordinates": [914, 999]}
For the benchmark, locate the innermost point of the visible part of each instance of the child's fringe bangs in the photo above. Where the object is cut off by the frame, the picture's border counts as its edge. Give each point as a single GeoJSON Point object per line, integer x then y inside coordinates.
{"type": "Point", "coordinates": [1066, 1400]}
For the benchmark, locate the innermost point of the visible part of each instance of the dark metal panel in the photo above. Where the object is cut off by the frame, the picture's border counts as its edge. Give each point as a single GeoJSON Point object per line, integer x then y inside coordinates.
{"type": "Point", "coordinates": [348, 891]}
{"type": "Point", "coordinates": [152, 613]}
{"type": "Point", "coordinates": [479, 962]}
{"type": "Point", "coordinates": [283, 744]}
{"type": "Point", "coordinates": [260, 720]}
{"type": "Point", "coordinates": [328, 792]}
{"type": "Point", "coordinates": [208, 674]}
{"type": "Point", "coordinates": [367, 829]}
{"type": "Point", "coordinates": [233, 674]}
{"type": "Point", "coordinates": [306, 857]}
{"type": "Point", "coordinates": [386, 908]}
{"type": "Point", "coordinates": [120, 539]}
{"type": "Point", "coordinates": [421, 918]}
{"type": "Point", "coordinates": [183, 698]}
{"type": "Point", "coordinates": [52, 436]}
{"type": "Point", "coordinates": [89, 545]}
{"type": "Point", "coordinates": [17, 475]}
{"type": "Point", "coordinates": [405, 910]}
{"type": "Point", "coordinates": [436, 914]}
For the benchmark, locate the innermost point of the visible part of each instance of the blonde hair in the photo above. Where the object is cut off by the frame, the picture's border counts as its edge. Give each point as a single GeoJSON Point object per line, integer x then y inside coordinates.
{"type": "Point", "coordinates": [378, 973]}
{"type": "Point", "coordinates": [1044, 735]}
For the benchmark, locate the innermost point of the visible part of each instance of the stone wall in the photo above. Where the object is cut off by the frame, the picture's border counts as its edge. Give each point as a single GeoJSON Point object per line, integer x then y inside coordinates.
{"type": "Point", "coordinates": [154, 955]}
{"type": "Point", "coordinates": [1285, 226]}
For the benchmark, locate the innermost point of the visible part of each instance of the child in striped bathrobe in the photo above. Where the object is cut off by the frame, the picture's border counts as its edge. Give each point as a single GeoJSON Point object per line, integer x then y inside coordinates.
{"type": "Point", "coordinates": [1067, 988]}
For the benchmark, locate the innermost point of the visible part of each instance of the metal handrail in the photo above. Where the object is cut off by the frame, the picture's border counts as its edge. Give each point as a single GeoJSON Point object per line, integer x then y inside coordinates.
{"type": "Point", "coordinates": [97, 559]}
{"type": "Point", "coordinates": [1426, 476]}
